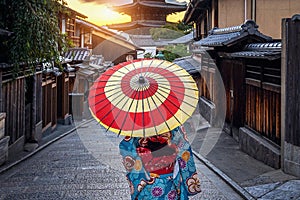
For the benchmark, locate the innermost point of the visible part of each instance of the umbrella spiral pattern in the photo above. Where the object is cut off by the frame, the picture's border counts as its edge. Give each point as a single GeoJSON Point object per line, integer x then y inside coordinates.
{"type": "Point", "coordinates": [142, 98]}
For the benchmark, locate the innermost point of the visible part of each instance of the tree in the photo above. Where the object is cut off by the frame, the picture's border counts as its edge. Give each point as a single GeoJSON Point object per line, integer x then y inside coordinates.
{"type": "Point", "coordinates": [165, 33]}
{"type": "Point", "coordinates": [172, 52]}
{"type": "Point", "coordinates": [171, 31]}
{"type": "Point", "coordinates": [36, 36]}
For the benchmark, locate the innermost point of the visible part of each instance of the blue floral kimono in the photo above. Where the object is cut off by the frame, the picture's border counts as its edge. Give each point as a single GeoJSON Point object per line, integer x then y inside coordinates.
{"type": "Point", "coordinates": [160, 167]}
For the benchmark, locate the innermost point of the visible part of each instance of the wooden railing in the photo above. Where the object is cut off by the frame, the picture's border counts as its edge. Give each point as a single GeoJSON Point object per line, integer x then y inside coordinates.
{"type": "Point", "coordinates": [13, 98]}
{"type": "Point", "coordinates": [49, 114]}
{"type": "Point", "coordinates": [17, 103]}
{"type": "Point", "coordinates": [63, 96]}
{"type": "Point", "coordinates": [263, 101]}
{"type": "Point", "coordinates": [207, 88]}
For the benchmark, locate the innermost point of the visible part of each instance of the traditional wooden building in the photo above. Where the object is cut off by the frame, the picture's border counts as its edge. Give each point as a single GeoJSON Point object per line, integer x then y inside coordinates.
{"type": "Point", "coordinates": [113, 45]}
{"type": "Point", "coordinates": [208, 14]}
{"type": "Point", "coordinates": [34, 102]}
{"type": "Point", "coordinates": [252, 66]}
{"type": "Point", "coordinates": [146, 14]}
{"type": "Point", "coordinates": [248, 63]}
{"type": "Point", "coordinates": [68, 26]}
{"type": "Point", "coordinates": [55, 105]}
{"type": "Point", "coordinates": [219, 43]}
{"type": "Point", "coordinates": [99, 48]}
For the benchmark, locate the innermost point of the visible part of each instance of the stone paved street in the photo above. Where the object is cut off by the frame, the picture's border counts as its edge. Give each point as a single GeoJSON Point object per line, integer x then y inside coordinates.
{"type": "Point", "coordinates": [86, 165]}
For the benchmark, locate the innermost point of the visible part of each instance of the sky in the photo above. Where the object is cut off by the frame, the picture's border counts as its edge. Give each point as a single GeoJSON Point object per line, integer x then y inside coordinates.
{"type": "Point", "coordinates": [99, 11]}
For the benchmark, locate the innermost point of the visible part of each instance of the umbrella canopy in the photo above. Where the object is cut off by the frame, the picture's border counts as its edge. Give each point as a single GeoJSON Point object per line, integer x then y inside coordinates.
{"type": "Point", "coordinates": [142, 98]}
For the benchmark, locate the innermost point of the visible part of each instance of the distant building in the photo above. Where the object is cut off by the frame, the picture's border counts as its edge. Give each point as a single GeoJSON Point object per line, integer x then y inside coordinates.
{"type": "Point", "coordinates": [113, 45]}
{"type": "Point", "coordinates": [146, 42]}
{"type": "Point", "coordinates": [146, 14]}
{"type": "Point", "coordinates": [67, 24]}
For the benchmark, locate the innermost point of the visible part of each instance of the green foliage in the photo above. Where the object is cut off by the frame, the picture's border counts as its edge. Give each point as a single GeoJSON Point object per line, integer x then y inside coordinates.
{"type": "Point", "coordinates": [165, 33]}
{"type": "Point", "coordinates": [172, 52]}
{"type": "Point", "coordinates": [36, 31]}
{"type": "Point", "coordinates": [186, 28]}
{"type": "Point", "coordinates": [148, 55]}
{"type": "Point", "coordinates": [169, 56]}
{"type": "Point", "coordinates": [171, 31]}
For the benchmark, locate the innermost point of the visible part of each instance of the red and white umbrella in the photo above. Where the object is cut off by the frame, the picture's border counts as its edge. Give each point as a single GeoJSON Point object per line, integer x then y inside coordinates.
{"type": "Point", "coordinates": [142, 98]}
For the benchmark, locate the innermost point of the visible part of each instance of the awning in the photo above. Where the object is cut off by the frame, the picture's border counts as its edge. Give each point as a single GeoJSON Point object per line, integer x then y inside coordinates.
{"type": "Point", "coordinates": [270, 51]}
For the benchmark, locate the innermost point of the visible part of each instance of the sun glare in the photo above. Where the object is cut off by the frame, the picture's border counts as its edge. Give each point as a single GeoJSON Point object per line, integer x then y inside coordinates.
{"type": "Point", "coordinates": [101, 14]}
{"type": "Point", "coordinates": [107, 16]}
{"type": "Point", "coordinates": [98, 14]}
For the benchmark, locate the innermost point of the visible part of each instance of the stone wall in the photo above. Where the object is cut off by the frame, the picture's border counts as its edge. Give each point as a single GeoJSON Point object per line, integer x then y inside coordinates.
{"type": "Point", "coordinates": [207, 110]}
{"type": "Point", "coordinates": [259, 148]}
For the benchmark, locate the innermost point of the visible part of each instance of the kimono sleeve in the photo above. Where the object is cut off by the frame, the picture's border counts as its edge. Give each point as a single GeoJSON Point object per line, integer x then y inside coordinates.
{"type": "Point", "coordinates": [132, 162]}
{"type": "Point", "coordinates": [188, 177]}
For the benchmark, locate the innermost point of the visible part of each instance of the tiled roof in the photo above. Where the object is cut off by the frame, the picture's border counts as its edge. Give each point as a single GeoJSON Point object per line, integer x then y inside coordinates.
{"type": "Point", "coordinates": [162, 42]}
{"type": "Point", "coordinates": [142, 40]}
{"type": "Point", "coordinates": [230, 35]}
{"type": "Point", "coordinates": [138, 23]}
{"type": "Point", "coordinates": [269, 51]}
{"type": "Point", "coordinates": [119, 37]}
{"type": "Point", "coordinates": [169, 7]}
{"type": "Point", "coordinates": [189, 64]}
{"type": "Point", "coordinates": [275, 46]}
{"type": "Point", "coordinates": [77, 54]}
{"type": "Point", "coordinates": [96, 59]}
{"type": "Point", "coordinates": [184, 39]}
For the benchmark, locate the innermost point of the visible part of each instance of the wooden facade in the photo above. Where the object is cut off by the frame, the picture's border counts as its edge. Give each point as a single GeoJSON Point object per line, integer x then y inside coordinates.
{"type": "Point", "coordinates": [251, 70]}
{"type": "Point", "coordinates": [226, 13]}
{"type": "Point", "coordinates": [63, 83]}
{"type": "Point", "coordinates": [22, 107]}
{"type": "Point", "coordinates": [68, 25]}
{"type": "Point", "coordinates": [263, 100]}
{"type": "Point", "coordinates": [14, 94]}
{"type": "Point", "coordinates": [233, 75]}
{"type": "Point", "coordinates": [249, 64]}
{"type": "Point", "coordinates": [49, 111]}
{"type": "Point", "coordinates": [34, 104]}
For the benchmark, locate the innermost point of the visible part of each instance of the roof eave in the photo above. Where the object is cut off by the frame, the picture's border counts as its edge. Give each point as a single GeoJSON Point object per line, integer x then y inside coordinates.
{"type": "Point", "coordinates": [191, 9]}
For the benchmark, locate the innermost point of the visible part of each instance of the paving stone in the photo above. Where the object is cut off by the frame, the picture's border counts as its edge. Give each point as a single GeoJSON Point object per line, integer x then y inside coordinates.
{"type": "Point", "coordinates": [260, 190]}
{"type": "Point", "coordinates": [86, 165]}
{"type": "Point", "coordinates": [36, 196]}
{"type": "Point", "coordinates": [89, 194]}
{"type": "Point", "coordinates": [289, 190]}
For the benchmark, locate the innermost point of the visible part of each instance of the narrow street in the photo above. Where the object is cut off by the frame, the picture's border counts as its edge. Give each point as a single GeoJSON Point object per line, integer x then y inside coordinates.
{"type": "Point", "coordinates": [86, 165]}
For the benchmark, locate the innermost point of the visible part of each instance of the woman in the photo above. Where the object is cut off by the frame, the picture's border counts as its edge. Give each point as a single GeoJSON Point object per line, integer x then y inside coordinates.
{"type": "Point", "coordinates": [160, 167]}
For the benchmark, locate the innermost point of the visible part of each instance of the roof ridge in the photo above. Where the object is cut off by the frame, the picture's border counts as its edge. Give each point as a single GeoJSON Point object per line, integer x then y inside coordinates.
{"type": "Point", "coordinates": [248, 26]}
{"type": "Point", "coordinates": [264, 46]}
